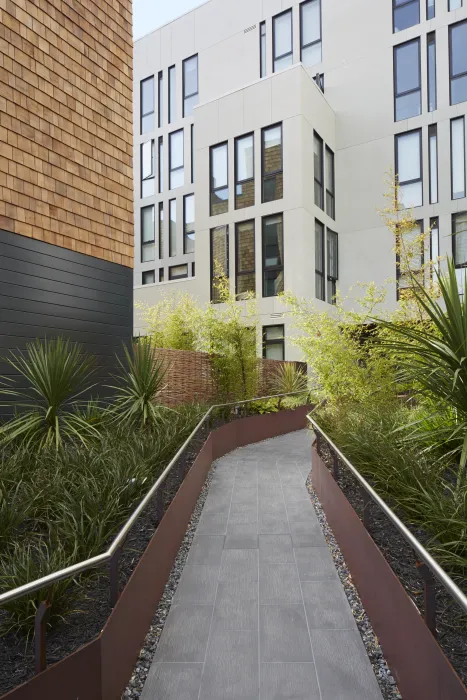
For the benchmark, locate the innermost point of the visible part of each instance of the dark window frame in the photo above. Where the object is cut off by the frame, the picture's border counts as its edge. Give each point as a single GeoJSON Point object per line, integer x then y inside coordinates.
{"type": "Point", "coordinates": [186, 97]}
{"type": "Point", "coordinates": [153, 175]}
{"type": "Point", "coordinates": [458, 266]}
{"type": "Point", "coordinates": [212, 189]}
{"type": "Point", "coordinates": [276, 341]}
{"type": "Point", "coordinates": [244, 272]}
{"type": "Point", "coordinates": [460, 117]}
{"type": "Point", "coordinates": [249, 179]}
{"type": "Point", "coordinates": [180, 167]}
{"type": "Point", "coordinates": [396, 159]}
{"type": "Point", "coordinates": [161, 274]}
{"type": "Point", "coordinates": [332, 194]}
{"type": "Point", "coordinates": [289, 53]}
{"type": "Point", "coordinates": [404, 4]}
{"type": "Point", "coordinates": [160, 163]}
{"type": "Point", "coordinates": [262, 68]}
{"type": "Point", "coordinates": [172, 254]}
{"type": "Point", "coordinates": [273, 268]}
{"type": "Point", "coordinates": [160, 99]}
{"type": "Point", "coordinates": [431, 41]}
{"type": "Point", "coordinates": [315, 180]}
{"type": "Point", "coordinates": [160, 229]}
{"type": "Point", "coordinates": [428, 10]}
{"type": "Point", "coordinates": [419, 222]}
{"type": "Point", "coordinates": [146, 114]}
{"type": "Point", "coordinates": [191, 194]}
{"type": "Point", "coordinates": [152, 242]}
{"type": "Point", "coordinates": [330, 278]}
{"type": "Point", "coordinates": [145, 273]}
{"type": "Point", "coordinates": [317, 41]}
{"type": "Point", "coordinates": [171, 117]}
{"type": "Point", "coordinates": [433, 129]}
{"type": "Point", "coordinates": [412, 90]}
{"type": "Point", "coordinates": [459, 75]}
{"type": "Point", "coordinates": [321, 273]}
{"type": "Point", "coordinates": [178, 277]}
{"type": "Point", "coordinates": [211, 259]}
{"type": "Point", "coordinates": [272, 174]}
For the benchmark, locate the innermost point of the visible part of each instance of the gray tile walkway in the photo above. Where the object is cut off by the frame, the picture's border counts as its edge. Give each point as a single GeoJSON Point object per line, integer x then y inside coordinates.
{"type": "Point", "coordinates": [259, 612]}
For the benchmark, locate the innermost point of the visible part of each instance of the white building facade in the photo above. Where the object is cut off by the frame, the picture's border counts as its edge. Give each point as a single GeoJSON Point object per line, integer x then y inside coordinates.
{"type": "Point", "coordinates": [263, 135]}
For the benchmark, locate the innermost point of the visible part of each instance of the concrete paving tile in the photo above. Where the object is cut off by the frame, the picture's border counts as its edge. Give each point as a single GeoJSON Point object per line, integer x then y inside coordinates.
{"type": "Point", "coordinates": [276, 549]}
{"type": "Point", "coordinates": [315, 564]}
{"type": "Point", "coordinates": [284, 633]}
{"type": "Point", "coordinates": [301, 510]}
{"type": "Point", "coordinates": [213, 523]}
{"type": "Point", "coordinates": [236, 606]}
{"type": "Point", "coordinates": [271, 524]}
{"type": "Point", "coordinates": [243, 513]}
{"type": "Point", "coordinates": [326, 605]}
{"type": "Point", "coordinates": [292, 494]}
{"type": "Point", "coordinates": [173, 681]}
{"type": "Point", "coordinates": [307, 533]}
{"type": "Point", "coordinates": [289, 681]}
{"type": "Point", "coordinates": [279, 584]}
{"type": "Point", "coordinates": [198, 584]}
{"type": "Point", "coordinates": [241, 536]}
{"type": "Point", "coordinates": [231, 671]}
{"type": "Point", "coordinates": [185, 635]}
{"type": "Point", "coordinates": [245, 495]}
{"type": "Point", "coordinates": [206, 549]}
{"type": "Point", "coordinates": [239, 565]}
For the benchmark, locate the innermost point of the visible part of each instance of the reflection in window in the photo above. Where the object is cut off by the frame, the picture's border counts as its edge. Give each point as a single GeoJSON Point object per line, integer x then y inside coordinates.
{"type": "Point", "coordinates": [282, 41]}
{"type": "Point", "coordinates": [160, 108]}
{"type": "Point", "coordinates": [147, 234]}
{"type": "Point", "coordinates": [430, 9]}
{"type": "Point", "coordinates": [147, 104]}
{"type": "Point", "coordinates": [172, 228]}
{"type": "Point", "coordinates": [407, 87]}
{"type": "Point", "coordinates": [431, 56]}
{"type": "Point", "coordinates": [189, 223]}
{"type": "Point", "coordinates": [273, 342]}
{"type": "Point", "coordinates": [148, 277]}
{"type": "Point", "coordinates": [459, 246]}
{"type": "Point", "coordinates": [178, 272]}
{"type": "Point", "coordinates": [458, 157]}
{"type": "Point", "coordinates": [458, 62]}
{"type": "Point", "coordinates": [190, 85]}
{"type": "Point", "coordinates": [147, 169]}
{"type": "Point", "coordinates": [244, 172]}
{"type": "Point", "coordinates": [319, 261]}
{"type": "Point", "coordinates": [330, 183]}
{"type": "Point", "coordinates": [161, 230]}
{"type": "Point", "coordinates": [433, 162]}
{"type": "Point", "coordinates": [262, 49]}
{"type": "Point", "coordinates": [272, 175]}
{"type": "Point", "coordinates": [333, 267]}
{"type": "Point", "coordinates": [406, 13]}
{"type": "Point", "coordinates": [245, 259]}
{"type": "Point", "coordinates": [172, 95]}
{"type": "Point", "coordinates": [219, 180]}
{"type": "Point", "coordinates": [219, 259]}
{"type": "Point", "coordinates": [161, 164]}
{"type": "Point", "coordinates": [310, 32]}
{"type": "Point", "coordinates": [177, 171]}
{"type": "Point", "coordinates": [455, 4]}
{"type": "Point", "coordinates": [318, 169]}
{"type": "Point", "coordinates": [273, 256]}
{"type": "Point", "coordinates": [409, 168]}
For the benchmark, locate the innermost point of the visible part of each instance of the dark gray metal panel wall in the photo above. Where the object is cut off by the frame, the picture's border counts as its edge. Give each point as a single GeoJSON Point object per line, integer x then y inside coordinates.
{"type": "Point", "coordinates": [47, 291]}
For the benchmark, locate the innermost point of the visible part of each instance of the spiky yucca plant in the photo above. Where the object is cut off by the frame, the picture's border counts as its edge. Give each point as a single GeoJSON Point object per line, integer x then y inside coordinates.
{"type": "Point", "coordinates": [288, 379]}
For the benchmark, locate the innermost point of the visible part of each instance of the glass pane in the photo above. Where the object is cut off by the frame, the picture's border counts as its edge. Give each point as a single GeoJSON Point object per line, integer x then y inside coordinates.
{"type": "Point", "coordinates": [458, 51]}
{"type": "Point", "coordinates": [409, 105]}
{"type": "Point", "coordinates": [272, 150]}
{"type": "Point", "coordinates": [318, 195]}
{"type": "Point", "coordinates": [161, 165]}
{"type": "Point", "coordinates": [410, 245]}
{"type": "Point", "coordinates": [312, 55]}
{"type": "Point", "coordinates": [178, 271]}
{"type": "Point", "coordinates": [407, 66]}
{"type": "Point", "coordinates": [263, 51]}
{"type": "Point", "coordinates": [319, 247]}
{"type": "Point", "coordinates": [273, 283]}
{"type": "Point", "coordinates": [245, 247]}
{"type": "Point", "coordinates": [332, 254]}
{"type": "Point", "coordinates": [319, 286]}
{"type": "Point", "coordinates": [172, 94]}
{"type": "Point", "coordinates": [147, 224]}
{"type": "Point", "coordinates": [147, 159]}
{"type": "Point", "coordinates": [282, 34]}
{"type": "Point", "coordinates": [189, 243]}
{"type": "Point", "coordinates": [219, 166]}
{"type": "Point", "coordinates": [173, 228]}
{"type": "Point", "coordinates": [460, 241]}
{"type": "Point", "coordinates": [147, 96]}
{"type": "Point", "coordinates": [219, 257]}
{"type": "Point", "coordinates": [190, 67]}
{"type": "Point", "coordinates": [281, 63]}
{"type": "Point", "coordinates": [330, 205]}
{"type": "Point", "coordinates": [329, 170]}
{"type": "Point", "coordinates": [245, 158]}
{"type": "Point", "coordinates": [273, 187]}
{"type": "Point", "coordinates": [431, 73]}
{"type": "Point", "coordinates": [188, 105]}
{"type": "Point", "coordinates": [246, 286]}
{"type": "Point", "coordinates": [408, 156]}
{"type": "Point", "coordinates": [434, 242]}
{"type": "Point", "coordinates": [411, 195]}
{"type": "Point", "coordinates": [332, 290]}
{"type": "Point", "coordinates": [147, 123]}
{"type": "Point", "coordinates": [148, 252]}
{"type": "Point", "coordinates": [177, 178]}
{"type": "Point", "coordinates": [318, 158]}
{"type": "Point", "coordinates": [406, 16]}
{"type": "Point", "coordinates": [275, 351]}
{"type": "Point", "coordinates": [189, 212]}
{"type": "Point", "coordinates": [454, 4]}
{"type": "Point", "coordinates": [176, 149]}
{"type": "Point", "coordinates": [430, 9]}
{"type": "Point", "coordinates": [149, 277]}
{"type": "Point", "coordinates": [272, 241]}
{"type": "Point", "coordinates": [433, 168]}
{"type": "Point", "coordinates": [245, 194]}
{"type": "Point", "coordinates": [458, 157]}
{"type": "Point", "coordinates": [161, 99]}
{"type": "Point", "coordinates": [161, 231]}
{"type": "Point", "coordinates": [459, 90]}
{"type": "Point", "coordinates": [220, 201]}
{"type": "Point", "coordinates": [311, 22]}
{"type": "Point", "coordinates": [274, 332]}
{"type": "Point", "coordinates": [148, 187]}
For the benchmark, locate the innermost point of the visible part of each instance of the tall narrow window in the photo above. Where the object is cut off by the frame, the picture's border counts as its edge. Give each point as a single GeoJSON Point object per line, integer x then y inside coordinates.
{"type": "Point", "coordinates": [458, 158]}
{"type": "Point", "coordinates": [414, 260]}
{"type": "Point", "coordinates": [409, 168]}
{"type": "Point", "coordinates": [407, 80]}
{"type": "Point", "coordinates": [190, 85]}
{"type": "Point", "coordinates": [192, 144]}
{"type": "Point", "coordinates": [318, 169]}
{"type": "Point", "coordinates": [434, 242]}
{"type": "Point", "coordinates": [455, 4]}
{"type": "Point", "coordinates": [172, 94]}
{"type": "Point", "coordinates": [330, 184]}
{"type": "Point", "coordinates": [147, 234]}
{"type": "Point", "coordinates": [176, 163]}
{"type": "Point", "coordinates": [310, 32]}
{"type": "Point", "coordinates": [219, 259]}
{"type": "Point", "coordinates": [273, 256]}
{"type": "Point", "coordinates": [459, 246]}
{"type": "Point", "coordinates": [282, 45]}
{"type": "Point", "coordinates": [433, 162]}
{"type": "Point", "coordinates": [160, 106]}
{"type": "Point", "coordinates": [148, 277]}
{"type": "Point", "coordinates": [161, 231]}
{"type": "Point", "coordinates": [147, 169]}
{"type": "Point", "coordinates": [333, 265]}
{"type": "Point", "coordinates": [430, 9]}
{"type": "Point", "coordinates": [161, 274]}
{"type": "Point", "coordinates": [245, 284]}
{"type": "Point", "coordinates": [262, 49]}
{"type": "Point", "coordinates": [431, 58]}
{"type": "Point", "coordinates": [271, 156]}
{"type": "Point", "coordinates": [319, 261]}
{"type": "Point", "coordinates": [458, 62]}
{"type": "Point", "coordinates": [147, 104]}
{"type": "Point", "coordinates": [161, 164]}
{"type": "Point", "coordinates": [189, 223]}
{"type": "Point", "coordinates": [244, 172]}
{"type": "Point", "coordinates": [273, 342]}
{"type": "Point", "coordinates": [172, 227]}
{"type": "Point", "coordinates": [406, 13]}
{"type": "Point", "coordinates": [219, 179]}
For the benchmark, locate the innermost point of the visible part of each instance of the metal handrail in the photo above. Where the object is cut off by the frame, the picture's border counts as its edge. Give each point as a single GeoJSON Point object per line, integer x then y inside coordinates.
{"type": "Point", "coordinates": [425, 556]}
{"type": "Point", "coordinates": [106, 556]}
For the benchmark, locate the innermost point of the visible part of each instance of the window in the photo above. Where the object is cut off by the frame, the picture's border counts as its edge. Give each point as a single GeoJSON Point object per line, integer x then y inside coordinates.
{"type": "Point", "coordinates": [172, 95]}
{"type": "Point", "coordinates": [330, 183]}
{"type": "Point", "coordinates": [190, 85]}
{"type": "Point", "coordinates": [458, 62]}
{"type": "Point", "coordinates": [161, 230]}
{"type": "Point", "coordinates": [273, 256]}
{"type": "Point", "coordinates": [318, 169]}
{"type": "Point", "coordinates": [431, 57]}
{"type": "Point", "coordinates": [219, 179]}
{"type": "Point", "coordinates": [430, 9]}
{"type": "Point", "coordinates": [192, 269]}
{"type": "Point", "coordinates": [147, 234]}
{"type": "Point", "coordinates": [245, 259]}
{"type": "Point", "coordinates": [409, 168]}
{"type": "Point", "coordinates": [262, 49]}
{"type": "Point", "coordinates": [459, 246]}
{"type": "Point", "coordinates": [244, 172]}
{"type": "Point", "coordinates": [178, 272]}
{"type": "Point", "coordinates": [406, 13]}
{"type": "Point", "coordinates": [271, 157]}
{"type": "Point", "coordinates": [147, 104]}
{"type": "Point", "coordinates": [172, 228]}
{"type": "Point", "coordinates": [455, 4]}
{"type": "Point", "coordinates": [434, 242]}
{"type": "Point", "coordinates": [189, 223]}
{"type": "Point", "coordinates": [407, 80]}
{"type": "Point", "coordinates": [219, 259]}
{"type": "Point", "coordinates": [333, 265]}
{"type": "Point", "coordinates": [147, 169]}
{"type": "Point", "coordinates": [161, 274]}
{"type": "Point", "coordinates": [433, 162]}
{"type": "Point", "coordinates": [161, 164]}
{"type": "Point", "coordinates": [282, 45]}
{"type": "Point", "coordinates": [458, 158]}
{"type": "Point", "coordinates": [273, 342]}
{"type": "Point", "coordinates": [415, 261]}
{"type": "Point", "coordinates": [310, 32]}
{"type": "Point", "coordinates": [149, 277]}
{"type": "Point", "coordinates": [177, 172]}
{"type": "Point", "coordinates": [192, 142]}
{"type": "Point", "coordinates": [319, 261]}
{"type": "Point", "coordinates": [319, 80]}
{"type": "Point", "coordinates": [160, 89]}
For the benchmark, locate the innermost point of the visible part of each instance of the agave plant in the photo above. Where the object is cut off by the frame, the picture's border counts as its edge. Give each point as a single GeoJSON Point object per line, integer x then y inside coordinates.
{"type": "Point", "coordinates": [56, 373]}
{"type": "Point", "coordinates": [140, 383]}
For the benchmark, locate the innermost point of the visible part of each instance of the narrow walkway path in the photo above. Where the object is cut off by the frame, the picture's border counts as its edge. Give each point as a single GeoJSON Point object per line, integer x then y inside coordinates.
{"type": "Point", "coordinates": [259, 613]}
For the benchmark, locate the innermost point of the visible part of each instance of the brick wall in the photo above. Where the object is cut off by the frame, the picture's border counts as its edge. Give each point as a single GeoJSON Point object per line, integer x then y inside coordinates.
{"type": "Point", "coordinates": [66, 124]}
{"type": "Point", "coordinates": [189, 377]}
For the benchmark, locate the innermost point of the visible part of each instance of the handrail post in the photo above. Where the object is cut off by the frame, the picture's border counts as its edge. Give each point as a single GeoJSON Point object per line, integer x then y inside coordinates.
{"type": "Point", "coordinates": [114, 576]}
{"type": "Point", "coordinates": [429, 591]}
{"type": "Point", "coordinates": [40, 628]}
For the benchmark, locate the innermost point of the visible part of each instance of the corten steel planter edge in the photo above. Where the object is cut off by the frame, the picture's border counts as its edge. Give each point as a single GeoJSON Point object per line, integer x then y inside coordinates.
{"type": "Point", "coordinates": [101, 669]}
{"type": "Point", "coordinates": [420, 667]}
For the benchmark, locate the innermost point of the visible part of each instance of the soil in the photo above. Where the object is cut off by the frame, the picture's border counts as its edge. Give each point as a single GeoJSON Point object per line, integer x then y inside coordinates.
{"type": "Point", "coordinates": [451, 621]}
